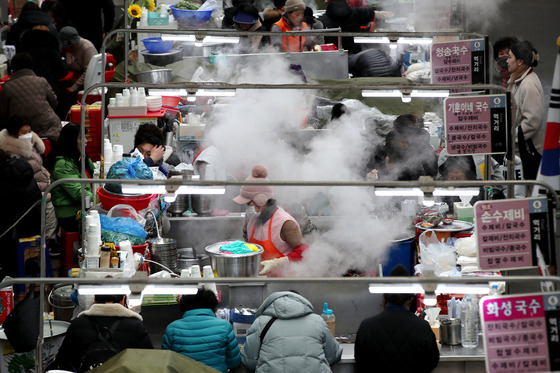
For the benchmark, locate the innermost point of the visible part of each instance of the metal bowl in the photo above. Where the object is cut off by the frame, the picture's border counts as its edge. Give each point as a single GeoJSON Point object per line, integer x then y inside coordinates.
{"type": "Point", "coordinates": [160, 76]}
{"type": "Point", "coordinates": [234, 265]}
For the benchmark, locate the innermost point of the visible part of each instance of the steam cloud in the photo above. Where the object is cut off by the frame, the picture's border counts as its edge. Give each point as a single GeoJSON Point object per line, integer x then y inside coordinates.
{"type": "Point", "coordinates": [256, 128]}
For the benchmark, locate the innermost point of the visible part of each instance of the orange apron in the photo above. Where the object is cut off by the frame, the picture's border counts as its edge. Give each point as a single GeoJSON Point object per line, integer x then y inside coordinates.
{"type": "Point", "coordinates": [270, 251]}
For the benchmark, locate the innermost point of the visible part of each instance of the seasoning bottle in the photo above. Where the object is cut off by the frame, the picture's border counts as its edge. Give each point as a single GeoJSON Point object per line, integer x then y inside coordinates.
{"type": "Point", "coordinates": [328, 316]}
{"type": "Point", "coordinates": [105, 258]}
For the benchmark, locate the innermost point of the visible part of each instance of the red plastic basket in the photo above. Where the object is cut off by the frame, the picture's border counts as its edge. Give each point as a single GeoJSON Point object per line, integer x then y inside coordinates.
{"type": "Point", "coordinates": [109, 200]}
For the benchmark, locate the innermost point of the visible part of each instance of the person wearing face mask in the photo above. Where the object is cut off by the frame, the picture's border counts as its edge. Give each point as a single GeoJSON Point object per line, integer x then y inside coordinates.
{"type": "Point", "coordinates": [18, 140]}
{"type": "Point", "coordinates": [501, 53]}
{"type": "Point", "coordinates": [528, 97]}
{"type": "Point", "coordinates": [270, 226]}
{"type": "Point", "coordinates": [292, 20]}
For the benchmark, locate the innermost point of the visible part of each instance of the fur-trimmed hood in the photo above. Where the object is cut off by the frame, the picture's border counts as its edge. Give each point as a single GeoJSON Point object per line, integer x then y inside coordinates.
{"type": "Point", "coordinates": [109, 309]}
{"type": "Point", "coordinates": [20, 147]}
{"type": "Point", "coordinates": [272, 13]}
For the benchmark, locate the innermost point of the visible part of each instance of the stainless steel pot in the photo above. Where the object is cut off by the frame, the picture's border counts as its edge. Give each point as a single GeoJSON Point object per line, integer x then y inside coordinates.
{"type": "Point", "coordinates": [161, 76]}
{"type": "Point", "coordinates": [201, 204]}
{"type": "Point", "coordinates": [234, 265]}
{"type": "Point", "coordinates": [450, 331]}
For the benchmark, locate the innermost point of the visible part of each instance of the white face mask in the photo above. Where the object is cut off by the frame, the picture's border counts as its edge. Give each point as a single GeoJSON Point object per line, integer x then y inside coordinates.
{"type": "Point", "coordinates": [27, 136]}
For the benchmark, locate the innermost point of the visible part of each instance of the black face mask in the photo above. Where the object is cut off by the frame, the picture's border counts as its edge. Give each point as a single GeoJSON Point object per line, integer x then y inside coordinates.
{"type": "Point", "coordinates": [502, 63]}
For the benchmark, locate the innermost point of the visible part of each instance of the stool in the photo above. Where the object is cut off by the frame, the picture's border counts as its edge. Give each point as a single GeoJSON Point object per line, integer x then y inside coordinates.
{"type": "Point", "coordinates": [30, 248]}
{"type": "Point", "coordinates": [67, 254]}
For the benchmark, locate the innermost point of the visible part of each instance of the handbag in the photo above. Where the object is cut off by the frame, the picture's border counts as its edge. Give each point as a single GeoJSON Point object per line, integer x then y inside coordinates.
{"type": "Point", "coordinates": [530, 157]}
{"type": "Point", "coordinates": [22, 324]}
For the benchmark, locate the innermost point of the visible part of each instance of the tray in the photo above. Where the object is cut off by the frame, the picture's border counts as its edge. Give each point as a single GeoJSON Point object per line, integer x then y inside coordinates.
{"type": "Point", "coordinates": [457, 226]}
{"type": "Point", "coordinates": [127, 111]}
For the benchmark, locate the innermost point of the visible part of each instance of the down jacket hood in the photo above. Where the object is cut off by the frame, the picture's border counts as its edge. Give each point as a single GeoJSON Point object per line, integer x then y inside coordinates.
{"type": "Point", "coordinates": [285, 305]}
{"type": "Point", "coordinates": [272, 13]}
{"type": "Point", "coordinates": [20, 147]}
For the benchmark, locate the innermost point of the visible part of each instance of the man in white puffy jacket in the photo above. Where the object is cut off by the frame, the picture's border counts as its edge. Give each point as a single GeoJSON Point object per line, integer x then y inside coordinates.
{"type": "Point", "coordinates": [298, 340]}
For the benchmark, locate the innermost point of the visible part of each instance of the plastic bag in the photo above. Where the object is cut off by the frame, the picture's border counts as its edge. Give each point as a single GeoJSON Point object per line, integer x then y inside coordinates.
{"type": "Point", "coordinates": [125, 211]}
{"type": "Point", "coordinates": [208, 5]}
{"type": "Point", "coordinates": [116, 230]}
{"type": "Point", "coordinates": [128, 168]}
{"type": "Point", "coordinates": [436, 256]}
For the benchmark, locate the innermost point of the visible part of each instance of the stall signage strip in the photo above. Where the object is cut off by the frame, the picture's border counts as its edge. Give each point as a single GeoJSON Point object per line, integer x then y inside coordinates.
{"type": "Point", "coordinates": [458, 62]}
{"type": "Point", "coordinates": [521, 333]}
{"type": "Point", "coordinates": [476, 125]}
{"type": "Point", "coordinates": [508, 232]}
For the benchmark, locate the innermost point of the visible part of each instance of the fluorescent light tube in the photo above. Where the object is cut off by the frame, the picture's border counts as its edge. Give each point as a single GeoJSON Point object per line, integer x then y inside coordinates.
{"type": "Point", "coordinates": [194, 189]}
{"type": "Point", "coordinates": [462, 289]}
{"type": "Point", "coordinates": [381, 93]}
{"type": "Point", "coordinates": [103, 289]}
{"type": "Point", "coordinates": [455, 192]}
{"type": "Point", "coordinates": [143, 189]}
{"type": "Point", "coordinates": [395, 288]}
{"type": "Point", "coordinates": [169, 289]}
{"type": "Point", "coordinates": [371, 40]}
{"type": "Point", "coordinates": [429, 93]}
{"type": "Point", "coordinates": [398, 192]}
{"type": "Point", "coordinates": [430, 299]}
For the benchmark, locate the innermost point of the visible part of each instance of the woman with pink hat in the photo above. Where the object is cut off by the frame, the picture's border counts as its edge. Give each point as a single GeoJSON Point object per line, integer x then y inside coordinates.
{"type": "Point", "coordinates": [271, 227]}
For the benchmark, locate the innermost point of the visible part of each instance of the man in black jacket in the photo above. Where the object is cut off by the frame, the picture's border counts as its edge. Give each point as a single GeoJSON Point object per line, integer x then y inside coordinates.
{"type": "Point", "coordinates": [86, 16]}
{"type": "Point", "coordinates": [396, 340]}
{"type": "Point", "coordinates": [107, 309]}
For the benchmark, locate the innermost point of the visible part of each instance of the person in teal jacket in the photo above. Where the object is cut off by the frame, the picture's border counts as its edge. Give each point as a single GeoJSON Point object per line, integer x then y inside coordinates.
{"type": "Point", "coordinates": [298, 340]}
{"type": "Point", "coordinates": [201, 336]}
{"type": "Point", "coordinates": [64, 162]}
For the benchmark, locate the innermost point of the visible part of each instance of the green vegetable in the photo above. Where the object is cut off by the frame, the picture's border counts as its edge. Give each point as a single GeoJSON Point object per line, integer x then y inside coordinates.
{"type": "Point", "coordinates": [187, 5]}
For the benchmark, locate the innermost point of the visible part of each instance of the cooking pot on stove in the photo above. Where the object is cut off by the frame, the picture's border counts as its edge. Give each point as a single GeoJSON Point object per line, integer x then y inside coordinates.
{"type": "Point", "coordinates": [234, 265]}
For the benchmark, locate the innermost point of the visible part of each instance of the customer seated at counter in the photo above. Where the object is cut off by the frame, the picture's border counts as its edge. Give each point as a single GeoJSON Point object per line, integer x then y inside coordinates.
{"type": "Point", "coordinates": [396, 340]}
{"type": "Point", "coordinates": [150, 142]}
{"type": "Point", "coordinates": [201, 336]}
{"type": "Point", "coordinates": [108, 312]}
{"type": "Point", "coordinates": [288, 337]}
{"type": "Point", "coordinates": [270, 226]}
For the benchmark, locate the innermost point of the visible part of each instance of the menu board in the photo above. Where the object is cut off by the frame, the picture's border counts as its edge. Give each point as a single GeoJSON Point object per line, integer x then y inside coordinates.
{"type": "Point", "coordinates": [460, 62]}
{"type": "Point", "coordinates": [476, 124]}
{"type": "Point", "coordinates": [508, 231]}
{"type": "Point", "coordinates": [521, 333]}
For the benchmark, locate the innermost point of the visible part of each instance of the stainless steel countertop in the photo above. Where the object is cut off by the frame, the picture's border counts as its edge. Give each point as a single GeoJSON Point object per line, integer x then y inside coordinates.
{"type": "Point", "coordinates": [446, 353]}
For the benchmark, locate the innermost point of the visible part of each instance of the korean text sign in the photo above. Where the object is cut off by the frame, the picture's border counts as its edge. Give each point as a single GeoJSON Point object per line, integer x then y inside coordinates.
{"type": "Point", "coordinates": [508, 231]}
{"type": "Point", "coordinates": [476, 125]}
{"type": "Point", "coordinates": [521, 333]}
{"type": "Point", "coordinates": [459, 62]}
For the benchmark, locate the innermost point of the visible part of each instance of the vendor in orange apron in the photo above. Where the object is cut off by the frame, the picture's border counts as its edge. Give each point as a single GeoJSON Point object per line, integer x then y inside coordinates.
{"type": "Point", "coordinates": [271, 227]}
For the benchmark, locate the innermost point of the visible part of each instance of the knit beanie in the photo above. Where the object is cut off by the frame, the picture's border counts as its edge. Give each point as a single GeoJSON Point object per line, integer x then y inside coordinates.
{"type": "Point", "coordinates": [293, 5]}
{"type": "Point", "coordinates": [259, 194]}
{"type": "Point", "coordinates": [68, 36]}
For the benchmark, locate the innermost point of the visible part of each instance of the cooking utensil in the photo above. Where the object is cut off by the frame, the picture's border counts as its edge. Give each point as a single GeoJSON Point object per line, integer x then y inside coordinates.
{"type": "Point", "coordinates": [234, 265]}
{"type": "Point", "coordinates": [157, 44]}
{"type": "Point", "coordinates": [160, 76]}
{"type": "Point", "coordinates": [164, 58]}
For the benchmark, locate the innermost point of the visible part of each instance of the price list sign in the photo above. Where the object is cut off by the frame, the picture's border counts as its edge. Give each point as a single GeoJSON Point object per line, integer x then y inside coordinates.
{"type": "Point", "coordinates": [458, 62]}
{"type": "Point", "coordinates": [508, 231]}
{"type": "Point", "coordinates": [476, 125]}
{"type": "Point", "coordinates": [521, 333]}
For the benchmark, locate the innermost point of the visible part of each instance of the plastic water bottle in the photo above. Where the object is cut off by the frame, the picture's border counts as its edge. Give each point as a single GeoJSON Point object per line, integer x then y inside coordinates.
{"type": "Point", "coordinates": [469, 324]}
{"type": "Point", "coordinates": [328, 316]}
{"type": "Point", "coordinates": [494, 291]}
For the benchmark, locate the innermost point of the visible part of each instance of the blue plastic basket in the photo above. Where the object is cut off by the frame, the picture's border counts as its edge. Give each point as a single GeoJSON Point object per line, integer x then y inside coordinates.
{"type": "Point", "coordinates": [190, 18]}
{"type": "Point", "coordinates": [157, 45]}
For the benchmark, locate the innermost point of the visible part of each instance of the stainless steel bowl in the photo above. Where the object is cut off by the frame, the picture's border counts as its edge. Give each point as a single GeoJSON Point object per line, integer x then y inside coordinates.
{"type": "Point", "coordinates": [234, 265]}
{"type": "Point", "coordinates": [160, 76]}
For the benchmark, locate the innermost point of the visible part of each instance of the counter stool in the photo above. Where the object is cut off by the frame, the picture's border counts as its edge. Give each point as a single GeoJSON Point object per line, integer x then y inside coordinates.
{"type": "Point", "coordinates": [29, 248]}
{"type": "Point", "coordinates": [67, 254]}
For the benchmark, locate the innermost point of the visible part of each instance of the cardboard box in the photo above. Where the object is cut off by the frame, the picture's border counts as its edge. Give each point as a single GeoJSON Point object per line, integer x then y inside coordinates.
{"type": "Point", "coordinates": [122, 130]}
{"type": "Point", "coordinates": [6, 302]}
{"type": "Point", "coordinates": [93, 124]}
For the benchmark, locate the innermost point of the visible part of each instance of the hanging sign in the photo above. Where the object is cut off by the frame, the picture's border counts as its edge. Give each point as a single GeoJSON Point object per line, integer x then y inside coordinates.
{"type": "Point", "coordinates": [460, 62]}
{"type": "Point", "coordinates": [476, 124]}
{"type": "Point", "coordinates": [509, 230]}
{"type": "Point", "coordinates": [521, 333]}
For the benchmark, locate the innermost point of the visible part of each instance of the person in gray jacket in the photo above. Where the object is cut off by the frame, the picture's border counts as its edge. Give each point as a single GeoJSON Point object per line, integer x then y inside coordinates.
{"type": "Point", "coordinates": [295, 339]}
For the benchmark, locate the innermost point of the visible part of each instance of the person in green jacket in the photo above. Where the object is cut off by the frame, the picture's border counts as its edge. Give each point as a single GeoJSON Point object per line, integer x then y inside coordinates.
{"type": "Point", "coordinates": [64, 162]}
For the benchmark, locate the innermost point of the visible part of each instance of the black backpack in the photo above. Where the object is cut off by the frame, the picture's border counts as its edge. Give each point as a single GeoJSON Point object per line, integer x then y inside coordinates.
{"type": "Point", "coordinates": [102, 349]}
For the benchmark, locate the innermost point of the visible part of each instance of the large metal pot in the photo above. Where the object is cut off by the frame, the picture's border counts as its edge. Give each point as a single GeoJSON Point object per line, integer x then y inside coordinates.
{"type": "Point", "coordinates": [201, 204]}
{"type": "Point", "coordinates": [234, 265]}
{"type": "Point", "coordinates": [450, 331]}
{"type": "Point", "coordinates": [161, 76]}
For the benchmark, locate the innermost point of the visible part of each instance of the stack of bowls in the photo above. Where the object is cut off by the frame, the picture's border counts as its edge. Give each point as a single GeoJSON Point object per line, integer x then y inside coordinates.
{"type": "Point", "coordinates": [153, 103]}
{"type": "Point", "coordinates": [164, 251]}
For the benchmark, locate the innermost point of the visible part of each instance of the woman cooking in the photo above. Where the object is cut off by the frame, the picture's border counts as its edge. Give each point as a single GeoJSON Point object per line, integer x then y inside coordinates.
{"type": "Point", "coordinates": [271, 227]}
